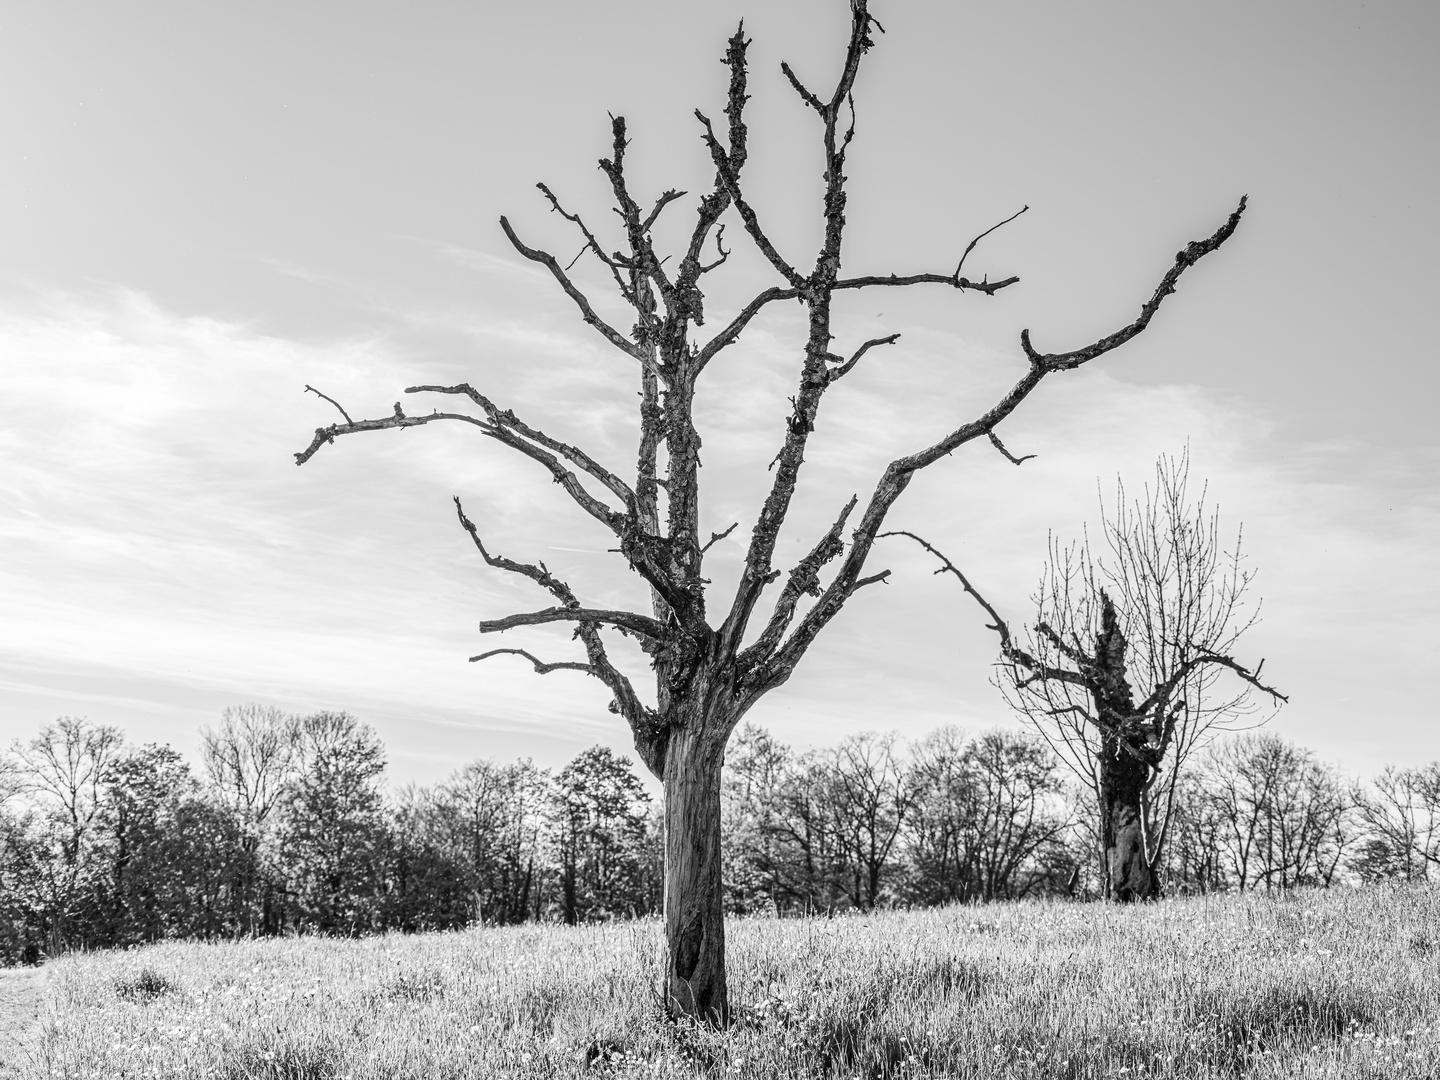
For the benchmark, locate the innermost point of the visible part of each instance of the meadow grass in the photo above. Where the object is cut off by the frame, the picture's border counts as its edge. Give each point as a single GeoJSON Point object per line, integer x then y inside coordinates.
{"type": "Point", "coordinates": [1342, 984]}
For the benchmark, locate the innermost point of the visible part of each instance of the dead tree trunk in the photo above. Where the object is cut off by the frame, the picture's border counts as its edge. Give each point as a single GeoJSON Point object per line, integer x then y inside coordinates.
{"type": "Point", "coordinates": [1124, 770]}
{"type": "Point", "coordinates": [1073, 680]}
{"type": "Point", "coordinates": [706, 674]}
{"type": "Point", "coordinates": [694, 916]}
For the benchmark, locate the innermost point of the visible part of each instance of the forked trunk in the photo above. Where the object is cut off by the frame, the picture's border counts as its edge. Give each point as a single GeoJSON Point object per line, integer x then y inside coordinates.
{"type": "Point", "coordinates": [694, 909]}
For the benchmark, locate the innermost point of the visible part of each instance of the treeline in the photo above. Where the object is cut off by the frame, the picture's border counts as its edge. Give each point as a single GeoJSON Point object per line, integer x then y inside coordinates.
{"type": "Point", "coordinates": [287, 827]}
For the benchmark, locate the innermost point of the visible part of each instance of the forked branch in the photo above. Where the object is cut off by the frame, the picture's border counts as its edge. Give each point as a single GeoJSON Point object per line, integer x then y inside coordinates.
{"type": "Point", "coordinates": [729, 174]}
{"type": "Point", "coordinates": [541, 668]}
{"type": "Point", "coordinates": [626, 702]}
{"type": "Point", "coordinates": [804, 580]}
{"type": "Point", "coordinates": [848, 365]}
{"type": "Point", "coordinates": [641, 626]}
{"type": "Point", "coordinates": [971, 246]}
{"type": "Point", "coordinates": [545, 259]}
{"type": "Point", "coordinates": [899, 472]}
{"type": "Point", "coordinates": [995, 442]}
{"type": "Point", "coordinates": [1187, 257]}
{"type": "Point", "coordinates": [507, 419]}
{"type": "Point", "coordinates": [311, 390]}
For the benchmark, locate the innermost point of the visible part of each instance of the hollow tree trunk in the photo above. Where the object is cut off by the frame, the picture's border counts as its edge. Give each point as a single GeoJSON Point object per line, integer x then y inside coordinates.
{"type": "Point", "coordinates": [1123, 768]}
{"type": "Point", "coordinates": [694, 907]}
{"type": "Point", "coordinates": [1122, 785]}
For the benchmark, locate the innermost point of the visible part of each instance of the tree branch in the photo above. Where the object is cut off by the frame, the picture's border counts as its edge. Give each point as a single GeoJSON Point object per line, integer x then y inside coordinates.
{"type": "Point", "coordinates": [507, 419]}
{"type": "Point", "coordinates": [639, 547]}
{"type": "Point", "coordinates": [329, 435]}
{"type": "Point", "coordinates": [642, 251]}
{"type": "Point", "coordinates": [544, 258]}
{"type": "Point", "coordinates": [640, 625]}
{"type": "Point", "coordinates": [643, 721]}
{"type": "Point", "coordinates": [541, 668]}
{"type": "Point", "coordinates": [310, 389]}
{"type": "Point", "coordinates": [997, 623]}
{"type": "Point", "coordinates": [899, 472]}
{"type": "Point", "coordinates": [1184, 259]}
{"type": "Point", "coordinates": [535, 572]}
{"type": "Point", "coordinates": [971, 246]}
{"type": "Point", "coordinates": [716, 537]}
{"type": "Point", "coordinates": [729, 176]}
{"type": "Point", "coordinates": [591, 244]}
{"type": "Point", "coordinates": [995, 441]}
{"type": "Point", "coordinates": [731, 332]}
{"type": "Point", "coordinates": [989, 288]}
{"type": "Point", "coordinates": [718, 200]}
{"type": "Point", "coordinates": [805, 95]}
{"type": "Point", "coordinates": [1161, 694]}
{"type": "Point", "coordinates": [665, 199]}
{"type": "Point", "coordinates": [844, 369]}
{"type": "Point", "coordinates": [804, 580]}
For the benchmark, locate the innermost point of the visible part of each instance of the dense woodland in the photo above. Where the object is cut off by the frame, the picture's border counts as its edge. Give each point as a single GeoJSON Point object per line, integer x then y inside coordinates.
{"type": "Point", "coordinates": [288, 826]}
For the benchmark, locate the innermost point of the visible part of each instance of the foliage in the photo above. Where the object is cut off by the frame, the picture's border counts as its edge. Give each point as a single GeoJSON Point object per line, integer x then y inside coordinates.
{"type": "Point", "coordinates": [600, 818]}
{"type": "Point", "coordinates": [332, 825]}
{"type": "Point", "coordinates": [134, 848]}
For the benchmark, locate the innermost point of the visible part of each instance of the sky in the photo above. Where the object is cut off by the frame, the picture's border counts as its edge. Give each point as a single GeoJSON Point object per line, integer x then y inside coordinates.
{"type": "Point", "coordinates": [204, 208]}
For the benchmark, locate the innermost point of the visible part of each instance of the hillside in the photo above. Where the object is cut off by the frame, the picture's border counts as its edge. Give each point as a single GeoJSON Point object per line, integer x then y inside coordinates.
{"type": "Point", "coordinates": [1342, 983]}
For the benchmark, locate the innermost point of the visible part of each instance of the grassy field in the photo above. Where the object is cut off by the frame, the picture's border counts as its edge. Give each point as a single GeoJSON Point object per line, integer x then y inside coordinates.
{"type": "Point", "coordinates": [1344, 984]}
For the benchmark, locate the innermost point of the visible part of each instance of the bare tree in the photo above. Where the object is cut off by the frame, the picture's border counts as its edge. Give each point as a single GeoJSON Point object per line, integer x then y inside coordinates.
{"type": "Point", "coordinates": [870, 795]}
{"type": "Point", "coordinates": [1120, 672]}
{"type": "Point", "coordinates": [67, 768]}
{"type": "Point", "coordinates": [1401, 816]}
{"type": "Point", "coordinates": [709, 674]}
{"type": "Point", "coordinates": [985, 812]}
{"type": "Point", "coordinates": [250, 758]}
{"type": "Point", "coordinates": [496, 814]}
{"type": "Point", "coordinates": [9, 778]}
{"type": "Point", "coordinates": [1285, 817]}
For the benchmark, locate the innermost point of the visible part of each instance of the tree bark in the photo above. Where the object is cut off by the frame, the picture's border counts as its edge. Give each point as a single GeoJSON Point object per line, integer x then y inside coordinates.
{"type": "Point", "coordinates": [694, 910]}
{"type": "Point", "coordinates": [1122, 786]}
{"type": "Point", "coordinates": [1124, 769]}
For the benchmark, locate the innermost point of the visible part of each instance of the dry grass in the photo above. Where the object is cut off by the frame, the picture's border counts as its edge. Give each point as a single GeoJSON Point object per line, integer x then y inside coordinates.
{"type": "Point", "coordinates": [1340, 984]}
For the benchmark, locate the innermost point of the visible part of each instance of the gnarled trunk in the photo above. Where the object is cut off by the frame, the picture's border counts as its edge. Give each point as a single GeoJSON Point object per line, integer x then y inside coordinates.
{"type": "Point", "coordinates": [1123, 768]}
{"type": "Point", "coordinates": [1122, 787]}
{"type": "Point", "coordinates": [694, 907]}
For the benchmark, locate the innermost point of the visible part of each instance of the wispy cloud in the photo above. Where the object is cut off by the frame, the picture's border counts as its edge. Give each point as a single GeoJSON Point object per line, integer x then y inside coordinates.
{"type": "Point", "coordinates": [153, 523]}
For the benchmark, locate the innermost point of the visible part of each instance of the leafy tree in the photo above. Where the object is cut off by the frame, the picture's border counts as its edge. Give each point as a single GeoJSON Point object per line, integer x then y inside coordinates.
{"type": "Point", "coordinates": [146, 867]}
{"type": "Point", "coordinates": [26, 872]}
{"type": "Point", "coordinates": [600, 823]}
{"type": "Point", "coordinates": [492, 817]}
{"type": "Point", "coordinates": [332, 828]}
{"type": "Point", "coordinates": [426, 883]}
{"type": "Point", "coordinates": [814, 856]}
{"type": "Point", "coordinates": [756, 770]}
{"type": "Point", "coordinates": [710, 673]}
